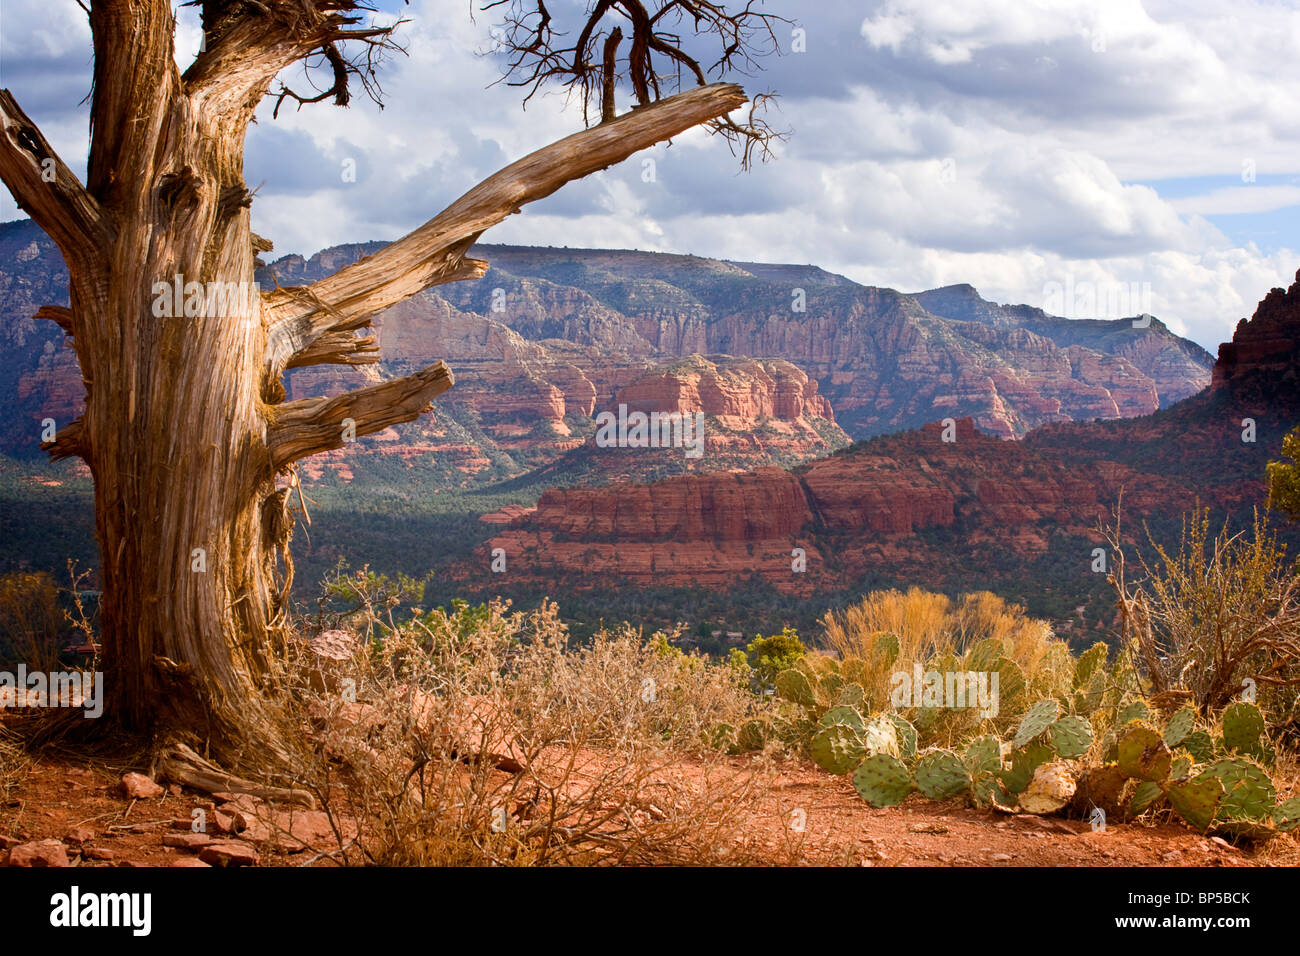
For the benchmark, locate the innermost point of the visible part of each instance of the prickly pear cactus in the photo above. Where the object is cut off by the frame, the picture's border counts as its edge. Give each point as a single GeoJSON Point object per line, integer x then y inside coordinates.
{"type": "Point", "coordinates": [1101, 786]}
{"type": "Point", "coordinates": [843, 714]}
{"type": "Point", "coordinates": [1038, 718]}
{"type": "Point", "coordinates": [907, 736]}
{"type": "Point", "coordinates": [837, 749]}
{"type": "Point", "coordinates": [1050, 789]}
{"type": "Point", "coordinates": [1182, 766]}
{"type": "Point", "coordinates": [1248, 793]}
{"type": "Point", "coordinates": [940, 774]}
{"type": "Point", "coordinates": [1286, 816]}
{"type": "Point", "coordinates": [1133, 710]}
{"type": "Point", "coordinates": [1071, 736]}
{"type": "Point", "coordinates": [1243, 728]}
{"type": "Point", "coordinates": [882, 780]}
{"type": "Point", "coordinates": [794, 686]}
{"type": "Point", "coordinates": [1144, 797]}
{"type": "Point", "coordinates": [853, 695]}
{"type": "Point", "coordinates": [886, 649]}
{"type": "Point", "coordinates": [1025, 761]}
{"type": "Point", "coordinates": [1200, 745]}
{"type": "Point", "coordinates": [1091, 663]}
{"type": "Point", "coordinates": [1181, 723]}
{"type": "Point", "coordinates": [1087, 700]}
{"type": "Point", "coordinates": [879, 736]}
{"type": "Point", "coordinates": [1196, 800]}
{"type": "Point", "coordinates": [1142, 753]}
{"type": "Point", "coordinates": [984, 655]}
{"type": "Point", "coordinates": [984, 756]}
{"type": "Point", "coordinates": [753, 734]}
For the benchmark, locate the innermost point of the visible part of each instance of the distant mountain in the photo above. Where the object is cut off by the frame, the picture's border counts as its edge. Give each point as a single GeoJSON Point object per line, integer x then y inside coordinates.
{"type": "Point", "coordinates": [552, 337]}
{"type": "Point", "coordinates": [947, 506]}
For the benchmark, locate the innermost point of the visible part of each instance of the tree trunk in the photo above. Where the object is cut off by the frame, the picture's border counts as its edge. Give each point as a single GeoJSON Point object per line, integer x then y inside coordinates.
{"type": "Point", "coordinates": [185, 429]}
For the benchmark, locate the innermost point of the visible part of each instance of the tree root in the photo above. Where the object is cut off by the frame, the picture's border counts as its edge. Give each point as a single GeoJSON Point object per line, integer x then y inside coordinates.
{"type": "Point", "coordinates": [177, 763]}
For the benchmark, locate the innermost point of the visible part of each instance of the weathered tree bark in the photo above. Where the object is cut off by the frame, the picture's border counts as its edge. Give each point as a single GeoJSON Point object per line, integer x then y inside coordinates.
{"type": "Point", "coordinates": [184, 430]}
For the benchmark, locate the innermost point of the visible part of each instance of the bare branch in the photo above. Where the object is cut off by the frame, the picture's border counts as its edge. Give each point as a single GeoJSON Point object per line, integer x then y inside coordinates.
{"type": "Point", "coordinates": [61, 315]}
{"type": "Point", "coordinates": [311, 425]}
{"type": "Point", "coordinates": [656, 61]}
{"type": "Point", "coordinates": [69, 442]}
{"type": "Point", "coordinates": [435, 252]}
{"type": "Point", "coordinates": [47, 190]}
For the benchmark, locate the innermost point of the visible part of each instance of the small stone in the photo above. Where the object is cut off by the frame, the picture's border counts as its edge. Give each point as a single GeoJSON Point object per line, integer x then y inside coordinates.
{"type": "Point", "coordinates": [1000, 857]}
{"type": "Point", "coordinates": [79, 835]}
{"type": "Point", "coordinates": [186, 841]}
{"type": "Point", "coordinates": [174, 789]}
{"type": "Point", "coordinates": [96, 853]}
{"type": "Point", "coordinates": [42, 853]}
{"type": "Point", "coordinates": [140, 787]}
{"type": "Point", "coordinates": [191, 861]}
{"type": "Point", "coordinates": [8, 842]}
{"type": "Point", "coordinates": [229, 854]}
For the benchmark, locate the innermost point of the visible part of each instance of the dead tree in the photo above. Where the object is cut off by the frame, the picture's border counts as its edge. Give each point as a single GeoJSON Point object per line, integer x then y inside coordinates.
{"type": "Point", "coordinates": [186, 430]}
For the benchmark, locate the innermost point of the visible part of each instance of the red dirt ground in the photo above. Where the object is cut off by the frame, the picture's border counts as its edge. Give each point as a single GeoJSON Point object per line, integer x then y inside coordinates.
{"type": "Point", "coordinates": [58, 796]}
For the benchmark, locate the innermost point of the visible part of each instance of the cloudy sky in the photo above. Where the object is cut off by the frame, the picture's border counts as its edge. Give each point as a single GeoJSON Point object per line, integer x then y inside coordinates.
{"type": "Point", "coordinates": [1145, 154]}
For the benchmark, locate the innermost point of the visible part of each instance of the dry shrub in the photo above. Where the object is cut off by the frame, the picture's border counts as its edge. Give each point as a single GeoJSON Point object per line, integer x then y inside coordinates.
{"type": "Point", "coordinates": [31, 620]}
{"type": "Point", "coordinates": [13, 765]}
{"type": "Point", "coordinates": [1217, 611]}
{"type": "Point", "coordinates": [481, 737]}
{"type": "Point", "coordinates": [930, 626]}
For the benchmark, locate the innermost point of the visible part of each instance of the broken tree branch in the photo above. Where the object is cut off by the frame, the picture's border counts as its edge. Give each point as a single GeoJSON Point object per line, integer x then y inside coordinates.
{"type": "Point", "coordinates": [311, 425]}
{"type": "Point", "coordinates": [46, 189]}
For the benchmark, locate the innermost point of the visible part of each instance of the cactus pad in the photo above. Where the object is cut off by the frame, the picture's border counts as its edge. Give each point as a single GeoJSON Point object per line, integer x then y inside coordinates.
{"type": "Point", "coordinates": [1086, 701]}
{"type": "Point", "coordinates": [1038, 718]}
{"type": "Point", "coordinates": [1144, 797]}
{"type": "Point", "coordinates": [1196, 800]}
{"type": "Point", "coordinates": [843, 714]}
{"type": "Point", "coordinates": [886, 649]}
{"type": "Point", "coordinates": [1286, 816]}
{"type": "Point", "coordinates": [1181, 723]}
{"type": "Point", "coordinates": [1248, 792]}
{"type": "Point", "coordinates": [882, 780]}
{"type": "Point", "coordinates": [1024, 762]}
{"type": "Point", "coordinates": [879, 736]}
{"type": "Point", "coordinates": [940, 774]}
{"type": "Point", "coordinates": [853, 695]}
{"type": "Point", "coordinates": [984, 655]}
{"type": "Point", "coordinates": [1134, 710]}
{"type": "Point", "coordinates": [1200, 745]}
{"type": "Point", "coordinates": [1050, 789]}
{"type": "Point", "coordinates": [1102, 787]}
{"type": "Point", "coordinates": [984, 755]}
{"type": "Point", "coordinates": [907, 736]}
{"type": "Point", "coordinates": [837, 749]}
{"type": "Point", "coordinates": [1011, 684]}
{"type": "Point", "coordinates": [1071, 736]}
{"type": "Point", "coordinates": [1142, 753]}
{"type": "Point", "coordinates": [794, 686]}
{"type": "Point", "coordinates": [1243, 728]}
{"type": "Point", "coordinates": [1090, 664]}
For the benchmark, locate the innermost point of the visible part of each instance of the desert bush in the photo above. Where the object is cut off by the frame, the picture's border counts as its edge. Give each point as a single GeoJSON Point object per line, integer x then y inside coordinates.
{"type": "Point", "coordinates": [31, 621]}
{"type": "Point", "coordinates": [1204, 619]}
{"type": "Point", "coordinates": [479, 736]}
{"type": "Point", "coordinates": [13, 766]}
{"type": "Point", "coordinates": [768, 656]}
